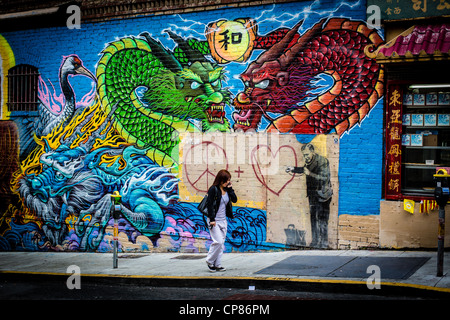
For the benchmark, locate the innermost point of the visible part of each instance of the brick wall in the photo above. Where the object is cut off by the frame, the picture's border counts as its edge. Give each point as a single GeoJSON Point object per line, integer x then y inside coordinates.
{"type": "Point", "coordinates": [361, 165]}
{"type": "Point", "coordinates": [358, 232]}
{"type": "Point", "coordinates": [278, 203]}
{"type": "Point", "coordinates": [101, 10]}
{"type": "Point", "coordinates": [95, 10]}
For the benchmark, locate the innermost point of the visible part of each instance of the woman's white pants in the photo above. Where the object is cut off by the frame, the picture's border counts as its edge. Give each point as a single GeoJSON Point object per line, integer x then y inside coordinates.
{"type": "Point", "coordinates": [218, 236]}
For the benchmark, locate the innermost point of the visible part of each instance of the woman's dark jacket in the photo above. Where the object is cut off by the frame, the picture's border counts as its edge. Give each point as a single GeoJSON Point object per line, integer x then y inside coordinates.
{"type": "Point", "coordinates": [213, 202]}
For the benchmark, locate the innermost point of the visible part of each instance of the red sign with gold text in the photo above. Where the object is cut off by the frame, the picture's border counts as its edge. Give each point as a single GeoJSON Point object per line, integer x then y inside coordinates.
{"type": "Point", "coordinates": [394, 142]}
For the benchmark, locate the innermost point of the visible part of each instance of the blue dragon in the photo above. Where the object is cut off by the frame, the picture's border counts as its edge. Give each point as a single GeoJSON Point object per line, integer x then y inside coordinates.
{"type": "Point", "coordinates": [75, 182]}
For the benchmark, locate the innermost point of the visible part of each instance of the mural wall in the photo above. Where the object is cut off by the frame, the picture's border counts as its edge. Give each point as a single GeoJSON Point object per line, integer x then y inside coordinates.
{"type": "Point", "coordinates": [154, 107]}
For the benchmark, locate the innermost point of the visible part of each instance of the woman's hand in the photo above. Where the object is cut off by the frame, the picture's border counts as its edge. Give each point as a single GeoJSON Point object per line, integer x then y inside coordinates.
{"type": "Point", "coordinates": [212, 224]}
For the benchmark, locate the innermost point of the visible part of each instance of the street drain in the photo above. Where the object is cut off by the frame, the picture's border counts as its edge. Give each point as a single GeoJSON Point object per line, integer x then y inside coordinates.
{"type": "Point", "coordinates": [132, 256]}
{"type": "Point", "coordinates": [190, 257]}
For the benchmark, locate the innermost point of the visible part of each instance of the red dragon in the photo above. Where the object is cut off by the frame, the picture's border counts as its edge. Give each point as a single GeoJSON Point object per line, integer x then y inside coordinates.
{"type": "Point", "coordinates": [281, 77]}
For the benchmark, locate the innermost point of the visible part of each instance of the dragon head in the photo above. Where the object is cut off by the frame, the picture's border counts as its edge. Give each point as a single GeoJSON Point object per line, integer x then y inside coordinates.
{"type": "Point", "coordinates": [58, 168]}
{"type": "Point", "coordinates": [50, 193]}
{"type": "Point", "coordinates": [274, 82]}
{"type": "Point", "coordinates": [193, 90]}
{"type": "Point", "coordinates": [67, 184]}
{"type": "Point", "coordinates": [201, 86]}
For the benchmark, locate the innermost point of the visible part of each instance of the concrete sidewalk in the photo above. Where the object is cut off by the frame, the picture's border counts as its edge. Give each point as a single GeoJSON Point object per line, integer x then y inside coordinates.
{"type": "Point", "coordinates": [334, 270]}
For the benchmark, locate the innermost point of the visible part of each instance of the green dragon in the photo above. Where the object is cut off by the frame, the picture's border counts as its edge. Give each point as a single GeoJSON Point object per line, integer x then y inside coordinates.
{"type": "Point", "coordinates": [180, 86]}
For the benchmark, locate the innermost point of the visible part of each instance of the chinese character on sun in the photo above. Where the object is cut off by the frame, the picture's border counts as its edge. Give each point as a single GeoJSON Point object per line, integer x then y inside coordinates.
{"type": "Point", "coordinates": [236, 38]}
{"type": "Point", "coordinates": [231, 40]}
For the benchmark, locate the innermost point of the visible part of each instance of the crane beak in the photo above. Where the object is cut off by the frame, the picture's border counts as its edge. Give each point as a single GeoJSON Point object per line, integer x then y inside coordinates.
{"type": "Point", "coordinates": [82, 70]}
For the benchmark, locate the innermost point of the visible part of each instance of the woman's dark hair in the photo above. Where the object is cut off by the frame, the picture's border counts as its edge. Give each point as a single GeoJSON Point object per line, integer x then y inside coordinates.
{"type": "Point", "coordinates": [222, 176]}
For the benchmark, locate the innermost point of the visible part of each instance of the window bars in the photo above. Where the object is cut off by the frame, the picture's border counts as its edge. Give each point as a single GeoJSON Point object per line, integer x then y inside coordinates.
{"type": "Point", "coordinates": [23, 88]}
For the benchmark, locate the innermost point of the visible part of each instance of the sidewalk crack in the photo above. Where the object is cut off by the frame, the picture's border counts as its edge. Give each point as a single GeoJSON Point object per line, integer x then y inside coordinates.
{"type": "Point", "coordinates": [341, 266]}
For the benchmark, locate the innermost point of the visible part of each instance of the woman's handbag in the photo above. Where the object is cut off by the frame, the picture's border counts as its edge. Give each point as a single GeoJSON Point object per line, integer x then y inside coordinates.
{"type": "Point", "coordinates": [202, 207]}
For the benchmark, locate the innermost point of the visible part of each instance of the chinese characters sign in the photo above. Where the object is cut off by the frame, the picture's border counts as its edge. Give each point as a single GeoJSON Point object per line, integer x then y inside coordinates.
{"type": "Point", "coordinates": [231, 40]}
{"type": "Point", "coordinates": [394, 142]}
{"type": "Point", "coordinates": [405, 9]}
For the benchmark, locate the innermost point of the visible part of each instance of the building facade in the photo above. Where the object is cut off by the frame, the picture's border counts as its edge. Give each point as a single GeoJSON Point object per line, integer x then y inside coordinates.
{"type": "Point", "coordinates": [152, 99]}
{"type": "Point", "coordinates": [416, 60]}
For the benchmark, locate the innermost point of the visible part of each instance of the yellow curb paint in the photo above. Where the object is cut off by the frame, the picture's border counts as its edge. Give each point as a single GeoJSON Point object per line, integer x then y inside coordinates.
{"type": "Point", "coordinates": [302, 280]}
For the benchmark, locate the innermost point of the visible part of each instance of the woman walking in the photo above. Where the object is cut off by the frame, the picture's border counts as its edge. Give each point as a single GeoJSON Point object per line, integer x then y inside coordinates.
{"type": "Point", "coordinates": [220, 197]}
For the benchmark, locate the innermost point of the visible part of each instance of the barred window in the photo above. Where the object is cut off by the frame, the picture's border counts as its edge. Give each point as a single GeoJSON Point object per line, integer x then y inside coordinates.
{"type": "Point", "coordinates": [23, 88]}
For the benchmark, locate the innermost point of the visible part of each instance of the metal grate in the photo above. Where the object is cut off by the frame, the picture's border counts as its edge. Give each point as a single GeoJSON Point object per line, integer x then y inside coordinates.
{"type": "Point", "coordinates": [23, 88]}
{"type": "Point", "coordinates": [190, 257]}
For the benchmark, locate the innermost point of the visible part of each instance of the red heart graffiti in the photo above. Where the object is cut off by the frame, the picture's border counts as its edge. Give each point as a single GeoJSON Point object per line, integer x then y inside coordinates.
{"type": "Point", "coordinates": [257, 168]}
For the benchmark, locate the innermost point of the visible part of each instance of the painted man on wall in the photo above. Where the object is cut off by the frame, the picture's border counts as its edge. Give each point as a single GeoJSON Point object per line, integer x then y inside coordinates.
{"type": "Point", "coordinates": [319, 191]}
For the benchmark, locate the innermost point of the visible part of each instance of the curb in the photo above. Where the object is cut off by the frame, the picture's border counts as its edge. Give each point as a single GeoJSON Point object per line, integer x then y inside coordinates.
{"type": "Point", "coordinates": [268, 283]}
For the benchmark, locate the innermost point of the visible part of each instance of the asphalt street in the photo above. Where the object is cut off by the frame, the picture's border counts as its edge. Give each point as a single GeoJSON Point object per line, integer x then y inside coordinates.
{"type": "Point", "coordinates": [57, 289]}
{"type": "Point", "coordinates": [299, 276]}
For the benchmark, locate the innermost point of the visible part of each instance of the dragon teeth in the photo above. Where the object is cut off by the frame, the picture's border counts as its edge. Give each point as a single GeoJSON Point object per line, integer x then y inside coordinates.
{"type": "Point", "coordinates": [243, 123]}
{"type": "Point", "coordinates": [210, 118]}
{"type": "Point", "coordinates": [217, 107]}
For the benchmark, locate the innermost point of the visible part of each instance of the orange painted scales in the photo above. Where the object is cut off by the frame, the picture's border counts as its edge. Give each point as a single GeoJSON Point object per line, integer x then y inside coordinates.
{"type": "Point", "coordinates": [280, 79]}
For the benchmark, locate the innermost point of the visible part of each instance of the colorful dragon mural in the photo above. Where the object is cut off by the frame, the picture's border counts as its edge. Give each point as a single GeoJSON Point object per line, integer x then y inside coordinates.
{"type": "Point", "coordinates": [147, 95]}
{"type": "Point", "coordinates": [174, 92]}
{"type": "Point", "coordinates": [280, 79]}
{"type": "Point", "coordinates": [73, 184]}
